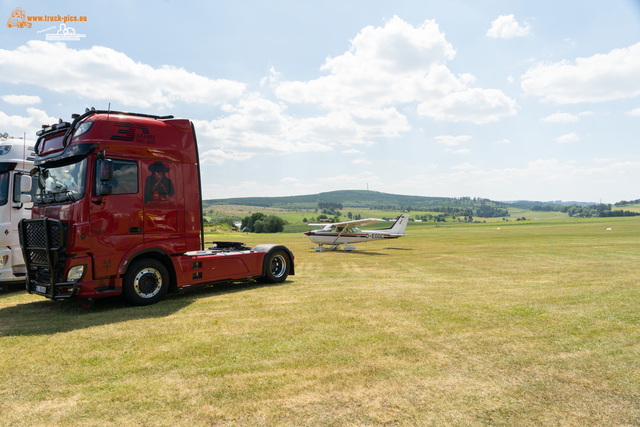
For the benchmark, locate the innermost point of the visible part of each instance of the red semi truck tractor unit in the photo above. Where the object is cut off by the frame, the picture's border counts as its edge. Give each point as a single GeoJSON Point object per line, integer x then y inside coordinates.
{"type": "Point", "coordinates": [118, 210]}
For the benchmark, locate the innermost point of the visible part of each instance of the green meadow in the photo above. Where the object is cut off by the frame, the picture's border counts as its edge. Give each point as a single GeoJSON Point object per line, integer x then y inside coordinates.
{"type": "Point", "coordinates": [522, 323]}
{"type": "Point", "coordinates": [294, 218]}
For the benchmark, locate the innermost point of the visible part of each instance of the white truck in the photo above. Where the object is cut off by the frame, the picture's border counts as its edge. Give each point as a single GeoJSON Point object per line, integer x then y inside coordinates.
{"type": "Point", "coordinates": [16, 192]}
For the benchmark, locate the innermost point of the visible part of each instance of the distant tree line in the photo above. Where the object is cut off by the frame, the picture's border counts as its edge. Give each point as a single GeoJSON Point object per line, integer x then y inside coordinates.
{"type": "Point", "coordinates": [599, 210]}
{"type": "Point", "coordinates": [618, 213]}
{"type": "Point", "coordinates": [435, 218]}
{"type": "Point", "coordinates": [261, 223]}
{"type": "Point", "coordinates": [630, 202]}
{"type": "Point", "coordinates": [385, 207]}
{"type": "Point", "coordinates": [461, 206]}
{"type": "Point", "coordinates": [329, 206]}
{"type": "Point", "coordinates": [484, 211]}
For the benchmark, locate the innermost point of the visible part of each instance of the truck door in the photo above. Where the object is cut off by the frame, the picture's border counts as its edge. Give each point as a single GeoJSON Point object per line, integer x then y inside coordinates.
{"type": "Point", "coordinates": [117, 219]}
{"type": "Point", "coordinates": [162, 183]}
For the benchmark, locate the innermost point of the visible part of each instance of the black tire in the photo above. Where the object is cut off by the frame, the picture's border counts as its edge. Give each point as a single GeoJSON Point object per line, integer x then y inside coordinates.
{"type": "Point", "coordinates": [277, 267]}
{"type": "Point", "coordinates": [146, 282]}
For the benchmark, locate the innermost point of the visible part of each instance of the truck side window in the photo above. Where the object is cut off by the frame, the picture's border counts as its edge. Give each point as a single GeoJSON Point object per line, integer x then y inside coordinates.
{"type": "Point", "coordinates": [125, 177]}
{"type": "Point", "coordinates": [4, 188]}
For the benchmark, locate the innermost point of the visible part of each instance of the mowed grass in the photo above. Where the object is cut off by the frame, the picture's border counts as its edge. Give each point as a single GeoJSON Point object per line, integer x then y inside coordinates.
{"type": "Point", "coordinates": [486, 324]}
{"type": "Point", "coordinates": [295, 217]}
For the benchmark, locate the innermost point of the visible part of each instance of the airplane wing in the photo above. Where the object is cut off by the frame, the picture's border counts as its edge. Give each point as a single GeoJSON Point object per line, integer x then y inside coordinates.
{"type": "Point", "coordinates": [354, 223]}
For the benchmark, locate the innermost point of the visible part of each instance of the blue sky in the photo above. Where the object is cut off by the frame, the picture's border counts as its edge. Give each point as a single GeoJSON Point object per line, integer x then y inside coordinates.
{"type": "Point", "coordinates": [503, 100]}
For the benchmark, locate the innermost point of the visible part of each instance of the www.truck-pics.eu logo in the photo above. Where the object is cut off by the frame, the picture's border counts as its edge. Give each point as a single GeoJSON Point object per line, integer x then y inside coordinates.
{"type": "Point", "coordinates": [20, 19]}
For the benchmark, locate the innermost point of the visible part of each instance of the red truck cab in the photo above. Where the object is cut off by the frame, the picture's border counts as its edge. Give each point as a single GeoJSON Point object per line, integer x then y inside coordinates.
{"type": "Point", "coordinates": [118, 210]}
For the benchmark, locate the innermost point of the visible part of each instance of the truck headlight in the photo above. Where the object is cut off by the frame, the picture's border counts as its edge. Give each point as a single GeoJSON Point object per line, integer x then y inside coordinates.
{"type": "Point", "coordinates": [3, 260]}
{"type": "Point", "coordinates": [75, 273]}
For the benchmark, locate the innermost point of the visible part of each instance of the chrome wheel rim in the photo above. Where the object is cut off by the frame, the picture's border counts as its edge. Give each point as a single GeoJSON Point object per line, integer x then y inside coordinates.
{"type": "Point", "coordinates": [147, 282]}
{"type": "Point", "coordinates": [278, 266]}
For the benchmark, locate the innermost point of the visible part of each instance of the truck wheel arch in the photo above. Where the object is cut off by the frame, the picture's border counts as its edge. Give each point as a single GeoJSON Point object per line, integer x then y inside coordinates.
{"type": "Point", "coordinates": [146, 282]}
{"type": "Point", "coordinates": [269, 250]}
{"type": "Point", "coordinates": [154, 253]}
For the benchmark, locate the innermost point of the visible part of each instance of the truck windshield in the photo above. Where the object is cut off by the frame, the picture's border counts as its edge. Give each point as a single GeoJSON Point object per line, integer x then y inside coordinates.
{"type": "Point", "coordinates": [4, 188]}
{"type": "Point", "coordinates": [62, 184]}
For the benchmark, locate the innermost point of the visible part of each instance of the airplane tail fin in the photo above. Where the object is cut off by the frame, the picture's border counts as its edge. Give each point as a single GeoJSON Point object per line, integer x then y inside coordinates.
{"type": "Point", "coordinates": [400, 225]}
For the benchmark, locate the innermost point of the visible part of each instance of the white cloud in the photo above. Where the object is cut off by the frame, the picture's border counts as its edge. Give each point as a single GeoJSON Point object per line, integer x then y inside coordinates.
{"type": "Point", "coordinates": [460, 151]}
{"type": "Point", "coordinates": [245, 189]}
{"type": "Point", "coordinates": [560, 118]}
{"type": "Point", "coordinates": [18, 125]}
{"type": "Point", "coordinates": [506, 27]}
{"type": "Point", "coordinates": [473, 105]}
{"type": "Point", "coordinates": [570, 137]}
{"type": "Point", "coordinates": [634, 112]}
{"type": "Point", "coordinates": [601, 77]}
{"type": "Point", "coordinates": [272, 79]}
{"type": "Point", "coordinates": [21, 99]}
{"type": "Point", "coordinates": [351, 151]}
{"type": "Point", "coordinates": [101, 73]}
{"type": "Point", "coordinates": [398, 64]}
{"type": "Point", "coordinates": [355, 181]}
{"type": "Point", "coordinates": [604, 160]}
{"type": "Point", "coordinates": [510, 79]}
{"type": "Point", "coordinates": [503, 141]}
{"type": "Point", "coordinates": [257, 125]}
{"type": "Point", "coordinates": [387, 65]}
{"type": "Point", "coordinates": [464, 166]}
{"type": "Point", "coordinates": [361, 162]}
{"type": "Point", "coordinates": [451, 140]}
{"type": "Point", "coordinates": [518, 179]}
{"type": "Point", "coordinates": [218, 157]}
{"type": "Point", "coordinates": [289, 179]}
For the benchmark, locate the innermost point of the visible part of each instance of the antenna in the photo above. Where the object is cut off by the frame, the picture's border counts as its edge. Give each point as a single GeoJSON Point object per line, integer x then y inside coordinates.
{"type": "Point", "coordinates": [24, 151]}
{"type": "Point", "coordinates": [106, 131]}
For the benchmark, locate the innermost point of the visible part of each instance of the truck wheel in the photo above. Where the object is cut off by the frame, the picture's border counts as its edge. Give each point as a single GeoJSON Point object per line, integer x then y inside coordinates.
{"type": "Point", "coordinates": [277, 267]}
{"type": "Point", "coordinates": [146, 282]}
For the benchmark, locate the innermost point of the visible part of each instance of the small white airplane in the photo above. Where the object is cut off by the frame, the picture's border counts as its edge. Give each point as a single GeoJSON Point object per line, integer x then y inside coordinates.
{"type": "Point", "coordinates": [343, 233]}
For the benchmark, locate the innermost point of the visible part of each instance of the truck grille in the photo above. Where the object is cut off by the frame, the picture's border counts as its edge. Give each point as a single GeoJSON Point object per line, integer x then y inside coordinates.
{"type": "Point", "coordinates": [43, 243]}
{"type": "Point", "coordinates": [35, 234]}
{"type": "Point", "coordinates": [38, 258]}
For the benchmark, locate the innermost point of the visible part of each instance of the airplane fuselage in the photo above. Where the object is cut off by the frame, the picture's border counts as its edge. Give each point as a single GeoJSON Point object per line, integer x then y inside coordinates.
{"type": "Point", "coordinates": [344, 233]}
{"type": "Point", "coordinates": [320, 237]}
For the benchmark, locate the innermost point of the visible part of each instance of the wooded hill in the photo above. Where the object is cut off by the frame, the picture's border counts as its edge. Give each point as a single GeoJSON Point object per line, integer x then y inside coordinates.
{"type": "Point", "coordinates": [353, 199]}
{"type": "Point", "coordinates": [363, 199]}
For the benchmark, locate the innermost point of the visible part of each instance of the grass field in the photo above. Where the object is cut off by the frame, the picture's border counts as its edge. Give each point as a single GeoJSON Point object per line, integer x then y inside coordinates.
{"type": "Point", "coordinates": [520, 323]}
{"type": "Point", "coordinates": [295, 217]}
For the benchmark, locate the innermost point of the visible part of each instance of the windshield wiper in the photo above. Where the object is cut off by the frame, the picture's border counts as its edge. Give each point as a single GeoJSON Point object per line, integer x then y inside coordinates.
{"type": "Point", "coordinates": [56, 197]}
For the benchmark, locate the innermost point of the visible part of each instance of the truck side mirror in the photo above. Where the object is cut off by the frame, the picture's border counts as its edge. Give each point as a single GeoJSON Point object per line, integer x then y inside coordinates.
{"type": "Point", "coordinates": [21, 185]}
{"type": "Point", "coordinates": [105, 189]}
{"type": "Point", "coordinates": [106, 170]}
{"type": "Point", "coordinates": [25, 183]}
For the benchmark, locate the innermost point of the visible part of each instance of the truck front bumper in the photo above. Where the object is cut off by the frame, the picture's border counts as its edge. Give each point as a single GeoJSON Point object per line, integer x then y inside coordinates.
{"type": "Point", "coordinates": [56, 291]}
